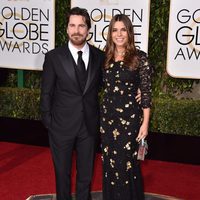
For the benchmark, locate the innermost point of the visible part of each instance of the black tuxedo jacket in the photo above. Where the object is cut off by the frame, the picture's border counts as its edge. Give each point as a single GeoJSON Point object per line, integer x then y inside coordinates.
{"type": "Point", "coordinates": [63, 104]}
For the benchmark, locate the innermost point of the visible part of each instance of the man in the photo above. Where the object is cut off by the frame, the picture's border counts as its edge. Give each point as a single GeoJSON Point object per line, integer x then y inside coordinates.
{"type": "Point", "coordinates": [69, 105]}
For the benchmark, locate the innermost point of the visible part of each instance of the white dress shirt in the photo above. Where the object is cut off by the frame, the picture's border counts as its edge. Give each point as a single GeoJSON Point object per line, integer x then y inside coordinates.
{"type": "Point", "coordinates": [85, 55]}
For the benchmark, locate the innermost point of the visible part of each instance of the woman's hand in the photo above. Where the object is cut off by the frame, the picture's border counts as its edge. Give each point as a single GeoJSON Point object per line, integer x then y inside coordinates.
{"type": "Point", "coordinates": [143, 132]}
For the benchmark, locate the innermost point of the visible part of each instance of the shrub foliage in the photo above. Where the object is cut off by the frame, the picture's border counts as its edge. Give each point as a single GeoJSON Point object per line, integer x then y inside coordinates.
{"type": "Point", "coordinates": [168, 115]}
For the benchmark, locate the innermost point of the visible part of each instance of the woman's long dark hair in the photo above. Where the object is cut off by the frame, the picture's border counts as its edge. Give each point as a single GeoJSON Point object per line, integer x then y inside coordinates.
{"type": "Point", "coordinates": [130, 58]}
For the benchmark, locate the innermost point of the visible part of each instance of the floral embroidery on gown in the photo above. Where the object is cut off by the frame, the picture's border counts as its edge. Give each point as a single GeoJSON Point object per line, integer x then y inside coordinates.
{"type": "Point", "coordinates": [121, 117]}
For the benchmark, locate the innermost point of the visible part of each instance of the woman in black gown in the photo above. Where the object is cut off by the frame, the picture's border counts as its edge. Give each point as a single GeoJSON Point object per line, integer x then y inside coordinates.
{"type": "Point", "coordinates": [124, 122]}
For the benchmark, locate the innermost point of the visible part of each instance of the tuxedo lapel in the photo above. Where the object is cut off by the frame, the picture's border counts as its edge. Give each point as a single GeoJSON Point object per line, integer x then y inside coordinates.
{"type": "Point", "coordinates": [68, 64]}
{"type": "Point", "coordinates": [91, 69]}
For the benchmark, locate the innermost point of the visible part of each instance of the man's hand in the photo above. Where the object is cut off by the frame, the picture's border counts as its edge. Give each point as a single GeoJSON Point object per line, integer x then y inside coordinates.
{"type": "Point", "coordinates": [138, 96]}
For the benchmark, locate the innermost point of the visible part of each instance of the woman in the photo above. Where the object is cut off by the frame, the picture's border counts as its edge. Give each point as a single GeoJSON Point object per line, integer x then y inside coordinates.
{"type": "Point", "coordinates": [124, 122]}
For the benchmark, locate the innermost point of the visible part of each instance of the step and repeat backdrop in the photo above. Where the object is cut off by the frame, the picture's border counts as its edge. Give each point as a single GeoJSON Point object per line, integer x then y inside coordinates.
{"type": "Point", "coordinates": [27, 31]}
{"type": "Point", "coordinates": [183, 57]}
{"type": "Point", "coordinates": [101, 12]}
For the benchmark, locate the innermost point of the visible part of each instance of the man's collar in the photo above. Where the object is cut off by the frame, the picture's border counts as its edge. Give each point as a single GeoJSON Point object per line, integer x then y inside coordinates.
{"type": "Point", "coordinates": [73, 49]}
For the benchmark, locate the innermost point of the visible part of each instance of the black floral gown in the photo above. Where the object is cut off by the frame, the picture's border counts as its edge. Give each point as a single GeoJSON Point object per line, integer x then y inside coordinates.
{"type": "Point", "coordinates": [121, 117]}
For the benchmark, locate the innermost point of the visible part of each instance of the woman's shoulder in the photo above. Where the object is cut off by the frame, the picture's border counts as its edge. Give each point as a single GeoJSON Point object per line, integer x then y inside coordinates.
{"type": "Point", "coordinates": [144, 63]}
{"type": "Point", "coordinates": [141, 53]}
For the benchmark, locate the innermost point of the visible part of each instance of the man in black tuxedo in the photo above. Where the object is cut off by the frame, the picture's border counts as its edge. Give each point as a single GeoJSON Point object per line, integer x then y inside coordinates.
{"type": "Point", "coordinates": [70, 107]}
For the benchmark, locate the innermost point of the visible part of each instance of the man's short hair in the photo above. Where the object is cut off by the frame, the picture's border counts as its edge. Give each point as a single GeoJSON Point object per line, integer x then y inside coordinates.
{"type": "Point", "coordinates": [79, 11]}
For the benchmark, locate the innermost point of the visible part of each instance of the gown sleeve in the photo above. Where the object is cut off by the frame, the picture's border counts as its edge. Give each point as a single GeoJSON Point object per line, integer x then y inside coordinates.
{"type": "Point", "coordinates": [145, 73]}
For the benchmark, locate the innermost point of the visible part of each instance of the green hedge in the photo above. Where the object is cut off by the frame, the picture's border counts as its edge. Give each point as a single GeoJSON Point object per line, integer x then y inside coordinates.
{"type": "Point", "coordinates": [19, 103]}
{"type": "Point", "coordinates": [176, 116]}
{"type": "Point", "coordinates": [168, 115]}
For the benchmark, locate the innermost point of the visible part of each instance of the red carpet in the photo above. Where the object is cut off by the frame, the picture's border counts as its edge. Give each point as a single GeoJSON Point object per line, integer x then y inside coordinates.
{"type": "Point", "coordinates": [26, 170]}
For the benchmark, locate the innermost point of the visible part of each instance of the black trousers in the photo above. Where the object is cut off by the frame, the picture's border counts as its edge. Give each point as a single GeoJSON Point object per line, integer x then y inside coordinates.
{"type": "Point", "coordinates": [85, 146]}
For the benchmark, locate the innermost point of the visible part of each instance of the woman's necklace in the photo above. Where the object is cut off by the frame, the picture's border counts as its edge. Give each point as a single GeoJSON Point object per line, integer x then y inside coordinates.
{"type": "Point", "coordinates": [122, 53]}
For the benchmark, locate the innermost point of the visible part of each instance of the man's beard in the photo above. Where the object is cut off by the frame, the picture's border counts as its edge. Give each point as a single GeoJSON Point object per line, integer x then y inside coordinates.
{"type": "Point", "coordinates": [77, 39]}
